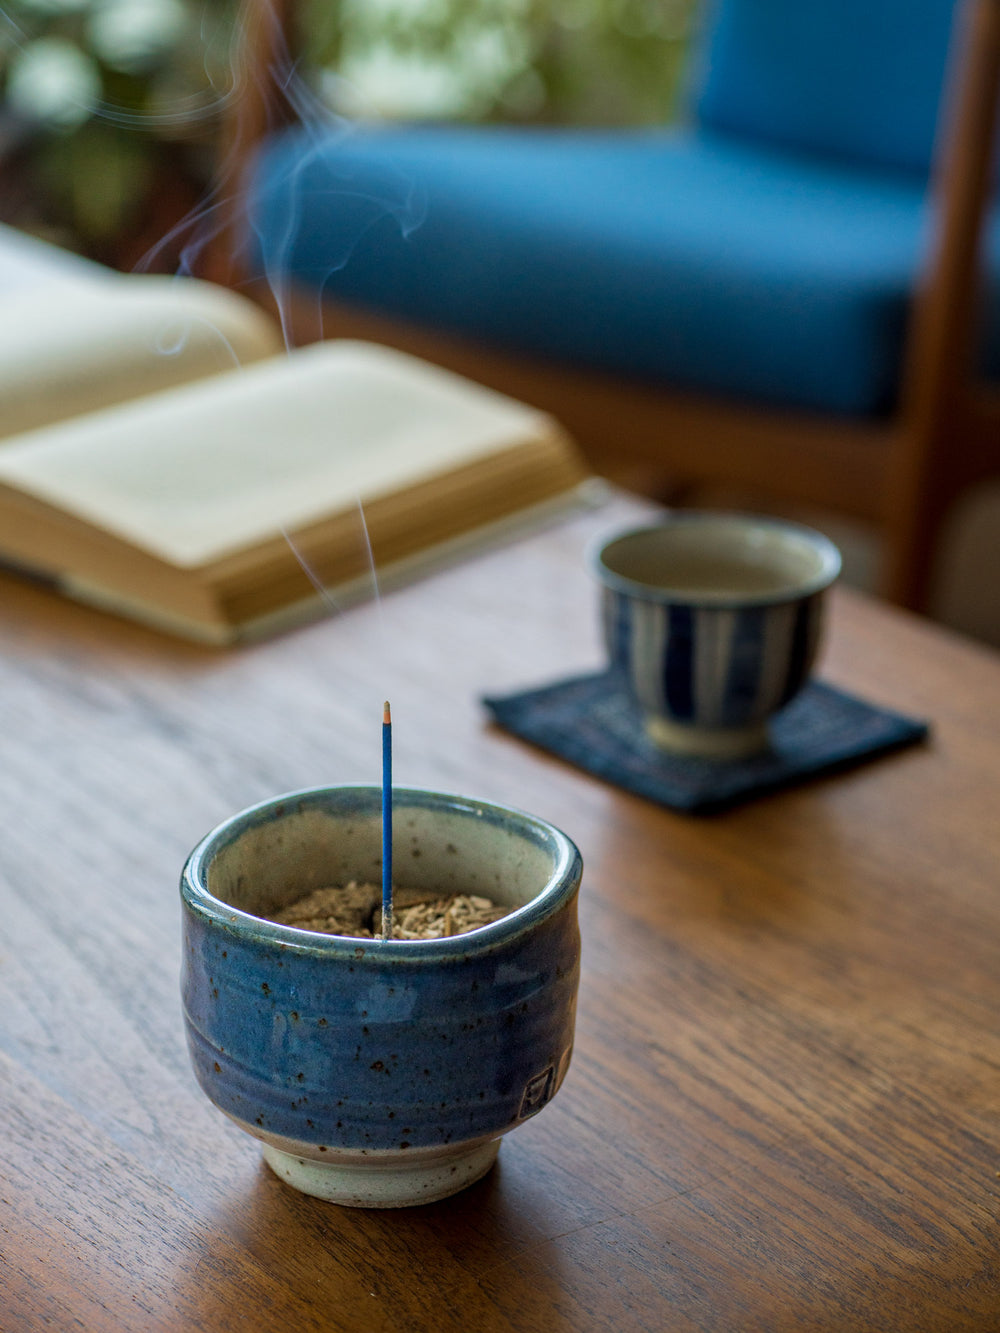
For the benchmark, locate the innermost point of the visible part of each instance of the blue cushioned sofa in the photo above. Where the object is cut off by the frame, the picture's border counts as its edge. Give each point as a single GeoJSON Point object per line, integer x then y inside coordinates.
{"type": "Point", "coordinates": [781, 293]}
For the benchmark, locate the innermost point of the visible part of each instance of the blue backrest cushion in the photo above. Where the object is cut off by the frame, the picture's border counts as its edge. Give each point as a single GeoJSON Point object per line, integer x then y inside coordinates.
{"type": "Point", "coordinates": [857, 79]}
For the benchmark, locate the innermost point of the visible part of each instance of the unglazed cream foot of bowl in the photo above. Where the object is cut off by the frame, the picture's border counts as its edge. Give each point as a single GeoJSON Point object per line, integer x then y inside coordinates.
{"type": "Point", "coordinates": [380, 1073]}
{"type": "Point", "coordinates": [712, 621]}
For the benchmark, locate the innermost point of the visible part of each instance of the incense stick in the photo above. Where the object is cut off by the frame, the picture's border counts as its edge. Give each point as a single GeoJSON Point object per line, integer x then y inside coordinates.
{"type": "Point", "coordinates": [386, 822]}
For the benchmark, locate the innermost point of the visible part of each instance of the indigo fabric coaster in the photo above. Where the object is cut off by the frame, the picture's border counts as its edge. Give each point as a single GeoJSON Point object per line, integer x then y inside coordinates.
{"type": "Point", "coordinates": [590, 722]}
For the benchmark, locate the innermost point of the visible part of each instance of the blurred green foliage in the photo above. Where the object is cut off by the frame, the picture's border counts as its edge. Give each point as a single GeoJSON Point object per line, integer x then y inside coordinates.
{"type": "Point", "coordinates": [556, 61]}
{"type": "Point", "coordinates": [107, 106]}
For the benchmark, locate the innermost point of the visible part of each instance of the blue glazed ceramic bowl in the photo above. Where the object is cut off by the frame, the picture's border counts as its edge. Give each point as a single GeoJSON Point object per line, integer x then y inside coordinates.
{"type": "Point", "coordinates": [380, 1073]}
{"type": "Point", "coordinates": [713, 621]}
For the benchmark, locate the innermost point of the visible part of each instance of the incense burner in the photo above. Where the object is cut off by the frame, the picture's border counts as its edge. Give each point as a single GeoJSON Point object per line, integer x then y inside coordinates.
{"type": "Point", "coordinates": [380, 1073]}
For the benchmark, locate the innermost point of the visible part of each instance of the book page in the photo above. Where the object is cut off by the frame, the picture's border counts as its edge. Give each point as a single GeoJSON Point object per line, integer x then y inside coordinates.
{"type": "Point", "coordinates": [215, 467]}
{"type": "Point", "coordinates": [27, 264]}
{"type": "Point", "coordinates": [72, 347]}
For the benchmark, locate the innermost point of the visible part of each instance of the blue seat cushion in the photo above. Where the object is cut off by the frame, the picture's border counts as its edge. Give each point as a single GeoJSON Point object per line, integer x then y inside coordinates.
{"type": "Point", "coordinates": [690, 259]}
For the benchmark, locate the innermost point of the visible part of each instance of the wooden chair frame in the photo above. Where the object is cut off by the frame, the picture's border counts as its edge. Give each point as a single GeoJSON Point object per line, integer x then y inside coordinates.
{"type": "Point", "coordinates": [904, 472]}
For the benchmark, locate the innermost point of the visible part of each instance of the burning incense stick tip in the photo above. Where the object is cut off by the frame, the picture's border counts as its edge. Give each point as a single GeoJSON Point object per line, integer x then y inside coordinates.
{"type": "Point", "coordinates": [386, 715]}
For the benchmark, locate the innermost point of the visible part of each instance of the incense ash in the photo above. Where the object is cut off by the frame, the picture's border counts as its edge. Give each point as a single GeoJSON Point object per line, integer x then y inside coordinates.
{"type": "Point", "coordinates": [356, 910]}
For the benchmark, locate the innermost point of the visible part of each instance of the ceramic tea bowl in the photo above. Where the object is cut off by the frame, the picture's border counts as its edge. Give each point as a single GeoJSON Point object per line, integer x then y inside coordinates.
{"type": "Point", "coordinates": [713, 621]}
{"type": "Point", "coordinates": [380, 1073]}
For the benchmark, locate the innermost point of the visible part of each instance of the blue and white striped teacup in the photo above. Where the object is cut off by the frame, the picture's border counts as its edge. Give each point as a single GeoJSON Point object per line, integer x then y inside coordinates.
{"type": "Point", "coordinates": [713, 620]}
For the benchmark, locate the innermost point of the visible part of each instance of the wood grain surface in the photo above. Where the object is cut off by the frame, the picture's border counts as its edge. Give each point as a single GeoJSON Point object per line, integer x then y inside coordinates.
{"type": "Point", "coordinates": [782, 1111]}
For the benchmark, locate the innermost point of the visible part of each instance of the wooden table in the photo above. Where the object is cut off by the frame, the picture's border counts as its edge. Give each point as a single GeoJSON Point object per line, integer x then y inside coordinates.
{"type": "Point", "coordinates": [784, 1106]}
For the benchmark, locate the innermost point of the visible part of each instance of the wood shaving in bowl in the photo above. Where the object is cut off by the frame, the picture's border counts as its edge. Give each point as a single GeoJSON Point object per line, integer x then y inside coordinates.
{"type": "Point", "coordinates": [355, 910]}
{"type": "Point", "coordinates": [441, 917]}
{"type": "Point", "coordinates": [336, 910]}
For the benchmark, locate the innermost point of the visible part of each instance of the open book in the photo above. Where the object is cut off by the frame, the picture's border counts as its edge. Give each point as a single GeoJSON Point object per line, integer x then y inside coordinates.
{"type": "Point", "coordinates": [165, 458]}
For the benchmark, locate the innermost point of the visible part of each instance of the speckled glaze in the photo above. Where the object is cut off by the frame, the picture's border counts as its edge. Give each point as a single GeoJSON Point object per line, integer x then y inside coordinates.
{"type": "Point", "coordinates": [380, 1073]}
{"type": "Point", "coordinates": [711, 656]}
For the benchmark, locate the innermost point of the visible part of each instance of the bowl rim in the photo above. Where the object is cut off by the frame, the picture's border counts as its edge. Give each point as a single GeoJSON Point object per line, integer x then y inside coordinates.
{"type": "Point", "coordinates": [560, 888]}
{"type": "Point", "coordinates": [829, 554]}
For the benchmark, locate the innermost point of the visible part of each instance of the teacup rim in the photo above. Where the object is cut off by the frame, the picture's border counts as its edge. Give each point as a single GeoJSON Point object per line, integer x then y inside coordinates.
{"type": "Point", "coordinates": [723, 599]}
{"type": "Point", "coordinates": [560, 888]}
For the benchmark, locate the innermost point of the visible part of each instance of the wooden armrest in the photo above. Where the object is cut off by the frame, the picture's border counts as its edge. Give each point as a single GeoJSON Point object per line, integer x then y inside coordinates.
{"type": "Point", "coordinates": [260, 101]}
{"type": "Point", "coordinates": [943, 346]}
{"type": "Point", "coordinates": [947, 438]}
